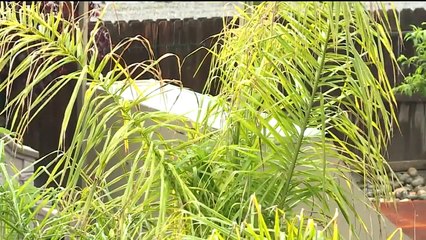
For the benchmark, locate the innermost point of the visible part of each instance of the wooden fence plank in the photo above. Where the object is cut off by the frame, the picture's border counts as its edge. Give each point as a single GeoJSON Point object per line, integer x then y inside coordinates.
{"type": "Point", "coordinates": [165, 41]}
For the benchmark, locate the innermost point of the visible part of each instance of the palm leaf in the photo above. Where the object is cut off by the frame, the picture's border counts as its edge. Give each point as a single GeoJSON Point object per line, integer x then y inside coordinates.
{"type": "Point", "coordinates": [286, 69]}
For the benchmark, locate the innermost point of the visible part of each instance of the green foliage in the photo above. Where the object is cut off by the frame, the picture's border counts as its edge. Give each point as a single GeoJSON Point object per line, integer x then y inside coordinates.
{"type": "Point", "coordinates": [295, 228]}
{"type": "Point", "coordinates": [279, 79]}
{"type": "Point", "coordinates": [415, 82]}
{"type": "Point", "coordinates": [307, 72]}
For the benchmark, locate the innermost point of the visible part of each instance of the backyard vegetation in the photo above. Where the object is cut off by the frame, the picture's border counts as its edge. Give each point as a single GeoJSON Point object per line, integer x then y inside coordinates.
{"type": "Point", "coordinates": [286, 68]}
{"type": "Point", "coordinates": [415, 81]}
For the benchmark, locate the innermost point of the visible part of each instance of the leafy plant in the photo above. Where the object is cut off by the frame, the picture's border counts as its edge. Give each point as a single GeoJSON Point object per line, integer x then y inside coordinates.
{"type": "Point", "coordinates": [415, 81]}
{"type": "Point", "coordinates": [287, 69]}
{"type": "Point", "coordinates": [307, 65]}
{"type": "Point", "coordinates": [298, 227]}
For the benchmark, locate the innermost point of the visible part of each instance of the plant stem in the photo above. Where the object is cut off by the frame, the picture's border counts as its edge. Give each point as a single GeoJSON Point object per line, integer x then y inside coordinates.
{"type": "Point", "coordinates": [307, 115]}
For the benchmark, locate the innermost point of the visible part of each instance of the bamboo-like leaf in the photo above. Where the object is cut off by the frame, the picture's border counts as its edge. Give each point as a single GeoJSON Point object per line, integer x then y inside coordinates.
{"type": "Point", "coordinates": [294, 78]}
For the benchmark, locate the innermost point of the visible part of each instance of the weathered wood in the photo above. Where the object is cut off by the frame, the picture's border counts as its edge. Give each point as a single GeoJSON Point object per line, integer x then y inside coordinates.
{"type": "Point", "coordinates": [165, 37]}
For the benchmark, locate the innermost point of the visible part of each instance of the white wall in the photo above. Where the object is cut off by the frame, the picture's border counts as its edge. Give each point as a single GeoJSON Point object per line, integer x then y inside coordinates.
{"type": "Point", "coordinates": [167, 10]}
{"type": "Point", "coordinates": [401, 5]}
{"type": "Point", "coordinates": [141, 10]}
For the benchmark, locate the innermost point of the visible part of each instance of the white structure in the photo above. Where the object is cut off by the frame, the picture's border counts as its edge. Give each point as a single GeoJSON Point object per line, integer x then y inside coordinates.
{"type": "Point", "coordinates": [185, 102]}
{"type": "Point", "coordinates": [142, 10]}
{"type": "Point", "coordinates": [403, 5]}
{"type": "Point", "coordinates": [19, 159]}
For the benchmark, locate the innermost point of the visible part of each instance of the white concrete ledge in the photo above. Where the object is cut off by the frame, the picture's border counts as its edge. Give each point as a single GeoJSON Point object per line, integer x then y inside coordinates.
{"type": "Point", "coordinates": [19, 158]}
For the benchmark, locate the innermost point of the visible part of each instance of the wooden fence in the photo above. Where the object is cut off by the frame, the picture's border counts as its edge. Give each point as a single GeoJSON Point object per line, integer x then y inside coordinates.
{"type": "Point", "coordinates": [182, 37]}
{"type": "Point", "coordinates": [408, 145]}
{"type": "Point", "coordinates": [178, 36]}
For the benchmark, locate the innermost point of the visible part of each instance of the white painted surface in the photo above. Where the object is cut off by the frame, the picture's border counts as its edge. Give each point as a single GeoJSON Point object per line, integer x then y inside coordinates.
{"type": "Point", "coordinates": [18, 159]}
{"type": "Point", "coordinates": [141, 10]}
{"type": "Point", "coordinates": [399, 5]}
{"type": "Point", "coordinates": [184, 102]}
{"type": "Point", "coordinates": [175, 100]}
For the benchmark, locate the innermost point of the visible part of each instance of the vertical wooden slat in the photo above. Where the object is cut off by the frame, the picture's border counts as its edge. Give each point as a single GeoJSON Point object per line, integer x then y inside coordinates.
{"type": "Point", "coordinates": [154, 39]}
{"type": "Point", "coordinates": [198, 69]}
{"type": "Point", "coordinates": [418, 16]}
{"type": "Point", "coordinates": [177, 45]}
{"type": "Point", "coordinates": [392, 20]}
{"type": "Point", "coordinates": [406, 20]}
{"type": "Point", "coordinates": [188, 68]}
{"type": "Point", "coordinates": [165, 31]}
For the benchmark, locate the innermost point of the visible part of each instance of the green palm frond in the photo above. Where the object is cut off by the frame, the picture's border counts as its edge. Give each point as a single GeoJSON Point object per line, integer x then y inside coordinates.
{"type": "Point", "coordinates": [308, 66]}
{"type": "Point", "coordinates": [302, 85]}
